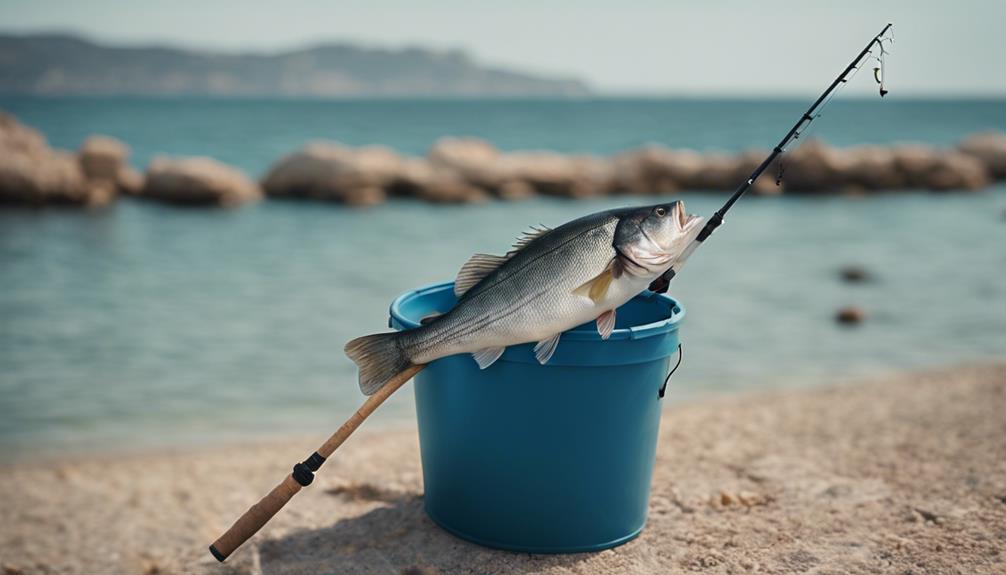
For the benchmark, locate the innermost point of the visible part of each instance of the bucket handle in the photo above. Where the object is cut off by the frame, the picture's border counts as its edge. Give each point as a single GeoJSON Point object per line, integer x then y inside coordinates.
{"type": "Point", "coordinates": [663, 388]}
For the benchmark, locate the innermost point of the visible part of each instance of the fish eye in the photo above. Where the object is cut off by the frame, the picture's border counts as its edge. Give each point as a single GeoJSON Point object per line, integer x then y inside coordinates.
{"type": "Point", "coordinates": [661, 211]}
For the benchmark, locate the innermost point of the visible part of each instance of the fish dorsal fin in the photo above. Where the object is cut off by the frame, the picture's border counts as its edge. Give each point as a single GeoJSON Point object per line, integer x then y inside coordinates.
{"type": "Point", "coordinates": [606, 323]}
{"type": "Point", "coordinates": [476, 268]}
{"type": "Point", "coordinates": [481, 265]}
{"type": "Point", "coordinates": [597, 287]}
{"type": "Point", "coordinates": [527, 237]}
{"type": "Point", "coordinates": [545, 348]}
{"type": "Point", "coordinates": [488, 356]}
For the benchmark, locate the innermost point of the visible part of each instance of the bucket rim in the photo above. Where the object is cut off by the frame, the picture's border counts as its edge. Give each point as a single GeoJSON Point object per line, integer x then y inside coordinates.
{"type": "Point", "coordinates": [659, 327]}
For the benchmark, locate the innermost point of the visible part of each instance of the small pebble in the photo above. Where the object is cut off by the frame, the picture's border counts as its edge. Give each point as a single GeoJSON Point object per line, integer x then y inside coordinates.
{"type": "Point", "coordinates": [416, 570]}
{"type": "Point", "coordinates": [855, 274]}
{"type": "Point", "coordinates": [749, 499]}
{"type": "Point", "coordinates": [850, 315]}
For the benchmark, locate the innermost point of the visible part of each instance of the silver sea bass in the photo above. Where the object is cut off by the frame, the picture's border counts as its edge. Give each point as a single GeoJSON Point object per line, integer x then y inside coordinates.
{"type": "Point", "coordinates": [551, 281]}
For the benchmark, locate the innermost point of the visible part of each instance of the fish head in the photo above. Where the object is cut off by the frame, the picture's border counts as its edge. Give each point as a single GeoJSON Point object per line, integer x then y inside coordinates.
{"type": "Point", "coordinates": [650, 238]}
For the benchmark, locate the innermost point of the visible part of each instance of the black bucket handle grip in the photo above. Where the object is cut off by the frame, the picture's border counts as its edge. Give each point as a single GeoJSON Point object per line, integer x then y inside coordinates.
{"type": "Point", "coordinates": [663, 388]}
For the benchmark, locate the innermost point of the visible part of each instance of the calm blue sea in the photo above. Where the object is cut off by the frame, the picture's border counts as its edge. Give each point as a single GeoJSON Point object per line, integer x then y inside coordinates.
{"type": "Point", "coordinates": [146, 325]}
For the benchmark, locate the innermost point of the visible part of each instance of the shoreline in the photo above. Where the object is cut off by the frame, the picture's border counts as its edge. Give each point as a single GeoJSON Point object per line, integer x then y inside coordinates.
{"type": "Point", "coordinates": [890, 474]}
{"type": "Point", "coordinates": [381, 422]}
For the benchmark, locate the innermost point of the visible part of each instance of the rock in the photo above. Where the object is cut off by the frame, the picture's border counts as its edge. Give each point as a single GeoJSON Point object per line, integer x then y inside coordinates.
{"type": "Point", "coordinates": [855, 274]}
{"type": "Point", "coordinates": [958, 171]}
{"type": "Point", "coordinates": [197, 181]}
{"type": "Point", "coordinates": [592, 176]}
{"type": "Point", "coordinates": [31, 173]}
{"type": "Point", "coordinates": [914, 162]}
{"type": "Point", "coordinates": [717, 172]}
{"type": "Point", "coordinates": [559, 175]}
{"type": "Point", "coordinates": [927, 168]}
{"type": "Point", "coordinates": [18, 138]}
{"type": "Point", "coordinates": [326, 171]}
{"type": "Point", "coordinates": [100, 192]}
{"type": "Point", "coordinates": [746, 163]}
{"type": "Point", "coordinates": [519, 175]}
{"type": "Point", "coordinates": [990, 149]}
{"type": "Point", "coordinates": [101, 157]}
{"type": "Point", "coordinates": [850, 315]}
{"type": "Point", "coordinates": [871, 168]}
{"type": "Point", "coordinates": [515, 190]}
{"type": "Point", "coordinates": [106, 159]}
{"type": "Point", "coordinates": [653, 170]}
{"type": "Point", "coordinates": [814, 167]}
{"type": "Point", "coordinates": [751, 499]}
{"type": "Point", "coordinates": [742, 498]}
{"type": "Point", "coordinates": [420, 179]}
{"type": "Point", "coordinates": [658, 170]}
{"type": "Point", "coordinates": [474, 160]}
{"type": "Point", "coordinates": [48, 178]}
{"type": "Point", "coordinates": [129, 181]}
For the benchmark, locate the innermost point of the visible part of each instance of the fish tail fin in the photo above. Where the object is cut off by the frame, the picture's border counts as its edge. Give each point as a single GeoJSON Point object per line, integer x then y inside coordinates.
{"type": "Point", "coordinates": [379, 357]}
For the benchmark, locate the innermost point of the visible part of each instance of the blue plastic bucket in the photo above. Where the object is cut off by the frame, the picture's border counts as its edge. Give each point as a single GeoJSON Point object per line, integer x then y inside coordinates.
{"type": "Point", "coordinates": [544, 459]}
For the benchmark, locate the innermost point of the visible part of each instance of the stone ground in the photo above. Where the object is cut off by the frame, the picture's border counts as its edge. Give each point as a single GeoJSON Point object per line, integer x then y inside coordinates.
{"type": "Point", "coordinates": [905, 475]}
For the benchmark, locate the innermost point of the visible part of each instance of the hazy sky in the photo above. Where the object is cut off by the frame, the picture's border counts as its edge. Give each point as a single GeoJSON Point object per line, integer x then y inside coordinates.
{"type": "Point", "coordinates": [735, 47]}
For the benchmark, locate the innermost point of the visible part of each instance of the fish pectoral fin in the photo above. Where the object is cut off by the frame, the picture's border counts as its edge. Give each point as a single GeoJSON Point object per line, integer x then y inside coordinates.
{"type": "Point", "coordinates": [488, 356]}
{"type": "Point", "coordinates": [606, 323]}
{"type": "Point", "coordinates": [545, 348]}
{"type": "Point", "coordinates": [597, 287]}
{"type": "Point", "coordinates": [476, 268]}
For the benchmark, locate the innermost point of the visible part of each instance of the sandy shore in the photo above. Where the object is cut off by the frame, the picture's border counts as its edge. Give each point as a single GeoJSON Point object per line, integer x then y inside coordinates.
{"type": "Point", "coordinates": [904, 475]}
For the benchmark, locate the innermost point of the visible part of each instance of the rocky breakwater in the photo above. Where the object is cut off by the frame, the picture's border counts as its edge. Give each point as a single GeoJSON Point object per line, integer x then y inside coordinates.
{"type": "Point", "coordinates": [464, 170]}
{"type": "Point", "coordinates": [471, 170]}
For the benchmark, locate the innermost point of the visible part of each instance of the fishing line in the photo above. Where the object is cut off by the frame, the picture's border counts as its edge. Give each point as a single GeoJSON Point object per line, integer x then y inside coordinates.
{"type": "Point", "coordinates": [811, 128]}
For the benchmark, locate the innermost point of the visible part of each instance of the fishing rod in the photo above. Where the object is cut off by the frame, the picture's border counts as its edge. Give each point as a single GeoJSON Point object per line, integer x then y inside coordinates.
{"type": "Point", "coordinates": [303, 473]}
{"type": "Point", "coordinates": [661, 284]}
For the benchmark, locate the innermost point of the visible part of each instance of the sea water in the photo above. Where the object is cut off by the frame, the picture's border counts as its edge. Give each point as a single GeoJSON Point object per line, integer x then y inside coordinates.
{"type": "Point", "coordinates": [144, 324]}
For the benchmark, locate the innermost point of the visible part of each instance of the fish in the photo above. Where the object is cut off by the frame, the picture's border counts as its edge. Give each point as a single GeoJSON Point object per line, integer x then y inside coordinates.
{"type": "Point", "coordinates": [552, 280]}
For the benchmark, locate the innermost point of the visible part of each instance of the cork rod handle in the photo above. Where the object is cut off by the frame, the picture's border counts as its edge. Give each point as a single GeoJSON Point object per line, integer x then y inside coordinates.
{"type": "Point", "coordinates": [303, 473]}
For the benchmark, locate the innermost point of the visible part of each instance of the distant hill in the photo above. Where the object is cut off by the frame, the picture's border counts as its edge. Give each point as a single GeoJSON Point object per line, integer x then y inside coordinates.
{"type": "Point", "coordinates": [64, 64]}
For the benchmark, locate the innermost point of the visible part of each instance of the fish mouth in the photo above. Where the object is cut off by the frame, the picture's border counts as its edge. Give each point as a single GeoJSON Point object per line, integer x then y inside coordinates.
{"type": "Point", "coordinates": [684, 219]}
